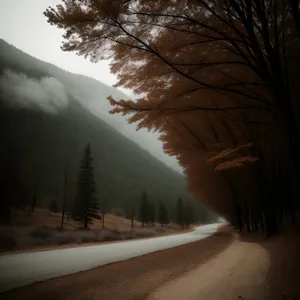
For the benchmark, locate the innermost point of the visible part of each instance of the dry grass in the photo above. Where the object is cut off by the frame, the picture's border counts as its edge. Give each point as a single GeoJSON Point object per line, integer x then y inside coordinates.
{"type": "Point", "coordinates": [44, 218]}
{"type": "Point", "coordinates": [41, 230]}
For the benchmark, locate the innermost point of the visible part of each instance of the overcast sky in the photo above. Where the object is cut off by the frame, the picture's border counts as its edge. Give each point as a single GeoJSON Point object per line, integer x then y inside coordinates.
{"type": "Point", "coordinates": [23, 25]}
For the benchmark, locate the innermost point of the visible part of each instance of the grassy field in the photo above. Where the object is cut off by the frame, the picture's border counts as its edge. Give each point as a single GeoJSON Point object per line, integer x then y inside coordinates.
{"type": "Point", "coordinates": [41, 230]}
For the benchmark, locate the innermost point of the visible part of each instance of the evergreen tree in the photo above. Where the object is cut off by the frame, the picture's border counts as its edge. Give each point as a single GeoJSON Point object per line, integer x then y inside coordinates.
{"type": "Point", "coordinates": [180, 218]}
{"type": "Point", "coordinates": [163, 214]}
{"type": "Point", "coordinates": [144, 210]}
{"type": "Point", "coordinates": [86, 206]}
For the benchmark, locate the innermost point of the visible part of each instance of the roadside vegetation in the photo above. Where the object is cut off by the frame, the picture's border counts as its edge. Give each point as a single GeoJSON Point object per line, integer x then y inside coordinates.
{"type": "Point", "coordinates": [41, 230]}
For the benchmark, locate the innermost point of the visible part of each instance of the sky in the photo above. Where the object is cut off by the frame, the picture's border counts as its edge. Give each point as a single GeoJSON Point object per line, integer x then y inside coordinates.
{"type": "Point", "coordinates": [23, 25]}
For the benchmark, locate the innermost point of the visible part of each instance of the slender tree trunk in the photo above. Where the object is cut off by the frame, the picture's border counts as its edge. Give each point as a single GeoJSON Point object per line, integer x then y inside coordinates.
{"type": "Point", "coordinates": [132, 215]}
{"type": "Point", "coordinates": [85, 222]}
{"type": "Point", "coordinates": [103, 215]}
{"type": "Point", "coordinates": [64, 200]}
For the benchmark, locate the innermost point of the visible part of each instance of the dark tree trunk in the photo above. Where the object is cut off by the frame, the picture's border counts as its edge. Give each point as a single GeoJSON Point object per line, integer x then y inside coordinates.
{"type": "Point", "coordinates": [103, 215]}
{"type": "Point", "coordinates": [247, 218]}
{"type": "Point", "coordinates": [132, 215]}
{"type": "Point", "coordinates": [64, 200]}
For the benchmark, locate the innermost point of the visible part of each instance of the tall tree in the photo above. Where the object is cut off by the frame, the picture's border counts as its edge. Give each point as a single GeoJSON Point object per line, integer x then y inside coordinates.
{"type": "Point", "coordinates": [86, 204]}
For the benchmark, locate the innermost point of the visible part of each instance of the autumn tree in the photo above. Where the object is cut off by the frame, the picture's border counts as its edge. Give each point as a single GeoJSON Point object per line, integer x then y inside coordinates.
{"type": "Point", "coordinates": [86, 204]}
{"type": "Point", "coordinates": [214, 77]}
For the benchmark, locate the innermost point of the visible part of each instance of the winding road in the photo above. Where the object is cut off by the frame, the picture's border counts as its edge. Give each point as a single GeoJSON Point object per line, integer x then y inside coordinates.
{"type": "Point", "coordinates": [26, 268]}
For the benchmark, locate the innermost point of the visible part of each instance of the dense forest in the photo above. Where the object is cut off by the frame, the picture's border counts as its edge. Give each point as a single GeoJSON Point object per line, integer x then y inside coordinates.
{"type": "Point", "coordinates": [219, 79]}
{"type": "Point", "coordinates": [45, 125]}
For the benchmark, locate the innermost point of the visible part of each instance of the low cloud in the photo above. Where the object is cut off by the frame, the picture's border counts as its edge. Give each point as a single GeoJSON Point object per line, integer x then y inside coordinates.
{"type": "Point", "coordinates": [20, 91]}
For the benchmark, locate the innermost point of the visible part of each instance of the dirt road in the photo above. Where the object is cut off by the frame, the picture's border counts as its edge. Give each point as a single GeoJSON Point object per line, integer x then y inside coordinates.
{"type": "Point", "coordinates": [231, 275]}
{"type": "Point", "coordinates": [133, 279]}
{"type": "Point", "coordinates": [222, 266]}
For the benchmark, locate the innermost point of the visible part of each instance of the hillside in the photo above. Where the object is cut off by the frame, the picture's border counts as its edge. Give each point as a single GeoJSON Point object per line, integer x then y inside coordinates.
{"type": "Point", "coordinates": [45, 122]}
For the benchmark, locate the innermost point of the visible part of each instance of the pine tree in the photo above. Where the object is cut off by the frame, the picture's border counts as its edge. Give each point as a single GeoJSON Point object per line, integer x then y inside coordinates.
{"type": "Point", "coordinates": [180, 219]}
{"type": "Point", "coordinates": [163, 214]}
{"type": "Point", "coordinates": [86, 206]}
{"type": "Point", "coordinates": [144, 210]}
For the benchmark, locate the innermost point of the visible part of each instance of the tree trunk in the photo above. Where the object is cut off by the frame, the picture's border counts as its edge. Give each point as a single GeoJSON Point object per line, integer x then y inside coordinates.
{"type": "Point", "coordinates": [103, 215]}
{"type": "Point", "coordinates": [132, 215]}
{"type": "Point", "coordinates": [85, 222]}
{"type": "Point", "coordinates": [64, 200]}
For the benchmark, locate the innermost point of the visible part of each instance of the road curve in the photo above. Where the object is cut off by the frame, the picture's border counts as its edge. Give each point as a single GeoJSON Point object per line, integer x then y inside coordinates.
{"type": "Point", "coordinates": [23, 269]}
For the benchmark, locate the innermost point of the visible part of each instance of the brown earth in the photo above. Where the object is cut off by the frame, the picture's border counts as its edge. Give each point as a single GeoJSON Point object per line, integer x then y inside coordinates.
{"type": "Point", "coordinates": [224, 266]}
{"type": "Point", "coordinates": [129, 280]}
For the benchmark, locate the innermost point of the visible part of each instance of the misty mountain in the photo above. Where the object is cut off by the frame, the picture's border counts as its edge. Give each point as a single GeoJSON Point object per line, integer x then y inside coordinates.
{"type": "Point", "coordinates": [47, 117]}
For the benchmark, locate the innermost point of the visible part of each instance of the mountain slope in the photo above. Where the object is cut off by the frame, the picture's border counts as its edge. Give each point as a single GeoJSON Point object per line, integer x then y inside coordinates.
{"type": "Point", "coordinates": [45, 122]}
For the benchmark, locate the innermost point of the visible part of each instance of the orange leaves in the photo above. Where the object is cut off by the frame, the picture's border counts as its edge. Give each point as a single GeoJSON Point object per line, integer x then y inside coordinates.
{"type": "Point", "coordinates": [232, 158]}
{"type": "Point", "coordinates": [236, 163]}
{"type": "Point", "coordinates": [227, 153]}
